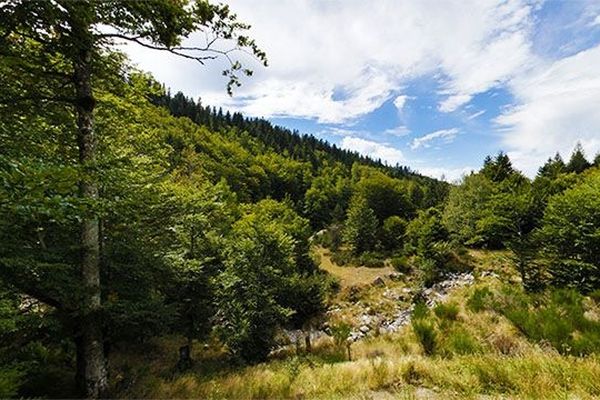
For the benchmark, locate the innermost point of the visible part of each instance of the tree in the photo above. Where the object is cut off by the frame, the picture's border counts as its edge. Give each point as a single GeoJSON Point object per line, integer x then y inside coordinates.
{"type": "Point", "coordinates": [424, 231]}
{"type": "Point", "coordinates": [497, 169]}
{"type": "Point", "coordinates": [570, 235]}
{"type": "Point", "coordinates": [360, 232]}
{"type": "Point", "coordinates": [393, 231]}
{"type": "Point", "coordinates": [60, 46]}
{"type": "Point", "coordinates": [553, 167]}
{"type": "Point", "coordinates": [578, 163]}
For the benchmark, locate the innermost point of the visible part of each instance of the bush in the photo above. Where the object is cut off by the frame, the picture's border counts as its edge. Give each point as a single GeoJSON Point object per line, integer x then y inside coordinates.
{"type": "Point", "coordinates": [438, 260]}
{"type": "Point", "coordinates": [392, 232]}
{"type": "Point", "coordinates": [556, 318]}
{"type": "Point", "coordinates": [595, 295]}
{"type": "Point", "coordinates": [479, 299]}
{"type": "Point", "coordinates": [446, 311]}
{"type": "Point", "coordinates": [342, 258]}
{"type": "Point", "coordinates": [401, 264]}
{"type": "Point", "coordinates": [459, 341]}
{"type": "Point", "coordinates": [420, 311]}
{"type": "Point", "coordinates": [426, 334]}
{"type": "Point", "coordinates": [10, 380]}
{"type": "Point", "coordinates": [371, 260]}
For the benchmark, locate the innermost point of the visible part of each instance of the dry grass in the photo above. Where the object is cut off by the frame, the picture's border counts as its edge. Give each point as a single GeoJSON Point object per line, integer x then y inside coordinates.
{"type": "Point", "coordinates": [350, 276]}
{"type": "Point", "coordinates": [506, 365]}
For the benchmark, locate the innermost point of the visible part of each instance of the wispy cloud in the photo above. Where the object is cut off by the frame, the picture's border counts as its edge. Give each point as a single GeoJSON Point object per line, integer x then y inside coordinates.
{"type": "Point", "coordinates": [398, 131]}
{"type": "Point", "coordinates": [447, 136]}
{"type": "Point", "coordinates": [475, 115]}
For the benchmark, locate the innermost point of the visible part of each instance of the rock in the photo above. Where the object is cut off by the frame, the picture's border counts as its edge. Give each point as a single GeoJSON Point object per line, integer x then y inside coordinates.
{"type": "Point", "coordinates": [364, 329]}
{"type": "Point", "coordinates": [378, 281]}
{"type": "Point", "coordinates": [365, 319]}
{"type": "Point", "coordinates": [395, 276]}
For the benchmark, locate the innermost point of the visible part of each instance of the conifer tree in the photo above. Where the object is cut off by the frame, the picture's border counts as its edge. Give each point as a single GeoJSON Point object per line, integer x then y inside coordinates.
{"type": "Point", "coordinates": [578, 163]}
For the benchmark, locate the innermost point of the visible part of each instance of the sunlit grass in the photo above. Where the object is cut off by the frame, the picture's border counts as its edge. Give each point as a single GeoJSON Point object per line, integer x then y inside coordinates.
{"type": "Point", "coordinates": [479, 353]}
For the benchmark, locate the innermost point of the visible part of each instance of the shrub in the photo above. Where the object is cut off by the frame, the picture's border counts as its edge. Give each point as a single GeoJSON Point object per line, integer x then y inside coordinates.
{"type": "Point", "coordinates": [595, 295]}
{"type": "Point", "coordinates": [556, 318]}
{"type": "Point", "coordinates": [420, 311]}
{"type": "Point", "coordinates": [371, 260]}
{"type": "Point", "coordinates": [392, 235]}
{"type": "Point", "coordinates": [459, 341]}
{"type": "Point", "coordinates": [401, 264]}
{"type": "Point", "coordinates": [10, 380]}
{"type": "Point", "coordinates": [426, 334]}
{"type": "Point", "coordinates": [438, 260]}
{"type": "Point", "coordinates": [342, 258]}
{"type": "Point", "coordinates": [446, 311]}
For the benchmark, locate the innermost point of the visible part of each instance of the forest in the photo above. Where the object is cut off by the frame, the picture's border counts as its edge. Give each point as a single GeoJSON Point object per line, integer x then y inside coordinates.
{"type": "Point", "coordinates": [152, 246]}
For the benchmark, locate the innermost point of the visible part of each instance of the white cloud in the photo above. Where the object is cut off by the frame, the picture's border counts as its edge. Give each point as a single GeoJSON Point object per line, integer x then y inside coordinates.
{"type": "Point", "coordinates": [452, 175]}
{"type": "Point", "coordinates": [447, 135]}
{"type": "Point", "coordinates": [596, 21]}
{"type": "Point", "coordinates": [400, 101]}
{"type": "Point", "coordinates": [368, 51]}
{"type": "Point", "coordinates": [454, 102]}
{"type": "Point", "coordinates": [375, 150]}
{"type": "Point", "coordinates": [558, 105]}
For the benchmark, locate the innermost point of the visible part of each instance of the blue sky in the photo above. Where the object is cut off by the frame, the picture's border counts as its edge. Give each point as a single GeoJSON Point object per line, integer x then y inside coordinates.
{"type": "Point", "coordinates": [433, 84]}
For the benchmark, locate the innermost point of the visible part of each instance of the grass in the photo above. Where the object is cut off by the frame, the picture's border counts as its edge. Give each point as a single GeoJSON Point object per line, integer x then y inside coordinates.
{"type": "Point", "coordinates": [479, 350]}
{"type": "Point", "coordinates": [351, 276]}
{"type": "Point", "coordinates": [536, 375]}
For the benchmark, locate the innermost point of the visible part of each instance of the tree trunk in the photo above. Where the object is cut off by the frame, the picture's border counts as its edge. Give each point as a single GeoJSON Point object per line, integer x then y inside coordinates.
{"type": "Point", "coordinates": [307, 343]}
{"type": "Point", "coordinates": [92, 343]}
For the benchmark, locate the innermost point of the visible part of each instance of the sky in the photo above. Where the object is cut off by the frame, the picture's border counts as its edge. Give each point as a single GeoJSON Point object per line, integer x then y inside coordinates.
{"type": "Point", "coordinates": [432, 84]}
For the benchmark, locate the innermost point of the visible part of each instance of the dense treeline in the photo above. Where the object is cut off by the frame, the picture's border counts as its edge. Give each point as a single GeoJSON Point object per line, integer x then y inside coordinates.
{"type": "Point", "coordinates": [551, 224]}
{"type": "Point", "coordinates": [292, 144]}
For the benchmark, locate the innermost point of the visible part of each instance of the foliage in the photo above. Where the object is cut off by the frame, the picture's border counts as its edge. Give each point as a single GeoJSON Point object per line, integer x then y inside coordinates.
{"type": "Point", "coordinates": [556, 317]}
{"type": "Point", "coordinates": [423, 231]}
{"type": "Point", "coordinates": [578, 163]}
{"type": "Point", "coordinates": [401, 264]}
{"type": "Point", "coordinates": [392, 232]}
{"type": "Point", "coordinates": [360, 232]}
{"type": "Point", "coordinates": [426, 334]}
{"type": "Point", "coordinates": [570, 235]}
{"type": "Point", "coordinates": [446, 311]}
{"type": "Point", "coordinates": [371, 260]}
{"type": "Point", "coordinates": [489, 212]}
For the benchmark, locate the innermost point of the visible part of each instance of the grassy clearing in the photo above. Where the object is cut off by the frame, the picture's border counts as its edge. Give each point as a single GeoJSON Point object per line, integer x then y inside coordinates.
{"type": "Point", "coordinates": [350, 276]}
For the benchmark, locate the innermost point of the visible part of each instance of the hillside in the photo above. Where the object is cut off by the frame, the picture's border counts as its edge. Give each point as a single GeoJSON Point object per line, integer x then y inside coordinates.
{"type": "Point", "coordinates": [480, 351]}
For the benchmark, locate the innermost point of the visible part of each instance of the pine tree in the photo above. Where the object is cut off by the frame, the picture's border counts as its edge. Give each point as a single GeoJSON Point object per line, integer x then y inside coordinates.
{"type": "Point", "coordinates": [553, 167]}
{"type": "Point", "coordinates": [578, 163]}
